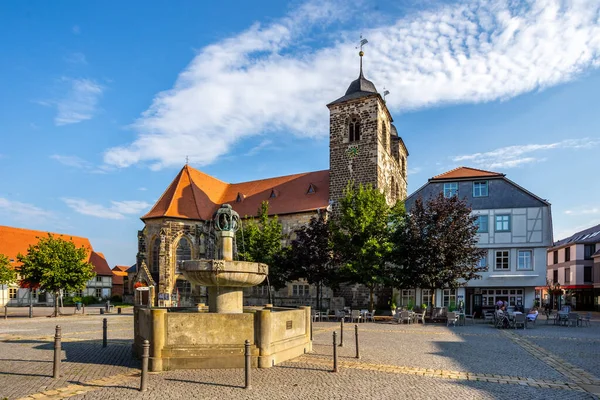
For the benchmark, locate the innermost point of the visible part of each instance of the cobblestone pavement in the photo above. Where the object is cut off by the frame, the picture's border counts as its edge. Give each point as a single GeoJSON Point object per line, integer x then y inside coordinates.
{"type": "Point", "coordinates": [397, 361]}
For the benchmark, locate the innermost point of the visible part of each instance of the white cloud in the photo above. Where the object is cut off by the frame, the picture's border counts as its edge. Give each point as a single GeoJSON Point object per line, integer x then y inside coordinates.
{"type": "Point", "coordinates": [79, 103]}
{"type": "Point", "coordinates": [516, 156]}
{"type": "Point", "coordinates": [143, 189]}
{"type": "Point", "coordinates": [23, 211]}
{"type": "Point", "coordinates": [258, 82]}
{"type": "Point", "coordinates": [71, 161]}
{"type": "Point", "coordinates": [261, 146]}
{"type": "Point", "coordinates": [76, 58]}
{"type": "Point", "coordinates": [584, 211]}
{"type": "Point", "coordinates": [117, 210]}
{"type": "Point", "coordinates": [413, 171]}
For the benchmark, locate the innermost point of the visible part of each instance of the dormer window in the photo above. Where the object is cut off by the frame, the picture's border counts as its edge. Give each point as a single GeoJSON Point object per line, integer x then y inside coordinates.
{"type": "Point", "coordinates": [354, 130]}
{"type": "Point", "coordinates": [240, 198]}
{"type": "Point", "coordinates": [273, 194]}
{"type": "Point", "coordinates": [311, 189]}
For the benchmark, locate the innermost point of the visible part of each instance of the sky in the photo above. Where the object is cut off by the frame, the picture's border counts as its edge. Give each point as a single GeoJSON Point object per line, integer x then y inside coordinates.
{"type": "Point", "coordinates": [101, 102]}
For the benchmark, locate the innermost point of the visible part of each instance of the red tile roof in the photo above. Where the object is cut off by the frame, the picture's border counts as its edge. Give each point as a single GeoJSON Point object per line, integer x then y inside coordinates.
{"type": "Point", "coordinates": [466, 172]}
{"type": "Point", "coordinates": [121, 268]}
{"type": "Point", "coordinates": [17, 240]}
{"type": "Point", "coordinates": [195, 195]}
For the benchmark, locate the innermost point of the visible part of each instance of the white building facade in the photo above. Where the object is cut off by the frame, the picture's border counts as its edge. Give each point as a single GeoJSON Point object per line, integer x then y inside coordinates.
{"type": "Point", "coordinates": [515, 229]}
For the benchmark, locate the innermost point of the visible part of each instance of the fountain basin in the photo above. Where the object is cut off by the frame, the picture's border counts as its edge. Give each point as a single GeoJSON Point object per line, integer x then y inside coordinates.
{"type": "Point", "coordinates": [205, 272]}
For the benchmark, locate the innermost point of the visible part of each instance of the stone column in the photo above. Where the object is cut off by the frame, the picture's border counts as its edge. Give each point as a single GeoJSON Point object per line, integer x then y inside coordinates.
{"type": "Point", "coordinates": [157, 339]}
{"type": "Point", "coordinates": [263, 320]}
{"type": "Point", "coordinates": [224, 299]}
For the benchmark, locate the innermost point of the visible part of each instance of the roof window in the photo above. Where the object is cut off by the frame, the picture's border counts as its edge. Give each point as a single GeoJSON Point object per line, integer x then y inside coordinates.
{"type": "Point", "coordinates": [240, 198]}
{"type": "Point", "coordinates": [311, 189]}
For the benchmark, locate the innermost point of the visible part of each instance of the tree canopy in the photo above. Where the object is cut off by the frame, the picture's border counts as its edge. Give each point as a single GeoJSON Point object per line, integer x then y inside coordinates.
{"type": "Point", "coordinates": [55, 264]}
{"type": "Point", "coordinates": [7, 273]}
{"type": "Point", "coordinates": [310, 254]}
{"type": "Point", "coordinates": [436, 245]}
{"type": "Point", "coordinates": [361, 235]}
{"type": "Point", "coordinates": [259, 240]}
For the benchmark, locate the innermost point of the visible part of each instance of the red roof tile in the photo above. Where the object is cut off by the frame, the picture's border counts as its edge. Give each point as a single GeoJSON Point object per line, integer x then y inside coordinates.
{"type": "Point", "coordinates": [466, 172]}
{"type": "Point", "coordinates": [121, 268]}
{"type": "Point", "coordinates": [17, 240]}
{"type": "Point", "coordinates": [195, 195]}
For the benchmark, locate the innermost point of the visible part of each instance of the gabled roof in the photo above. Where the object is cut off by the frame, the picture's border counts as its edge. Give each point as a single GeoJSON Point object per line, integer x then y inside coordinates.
{"type": "Point", "coordinates": [589, 235]}
{"type": "Point", "coordinates": [122, 268]}
{"type": "Point", "coordinates": [465, 173]}
{"type": "Point", "coordinates": [195, 195]}
{"type": "Point", "coordinates": [17, 240]}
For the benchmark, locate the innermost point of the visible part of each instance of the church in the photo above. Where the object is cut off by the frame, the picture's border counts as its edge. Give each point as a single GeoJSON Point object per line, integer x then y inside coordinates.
{"type": "Point", "coordinates": [364, 146]}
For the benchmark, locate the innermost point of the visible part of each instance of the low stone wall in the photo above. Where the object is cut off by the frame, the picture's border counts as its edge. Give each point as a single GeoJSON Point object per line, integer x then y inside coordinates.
{"type": "Point", "coordinates": [189, 340]}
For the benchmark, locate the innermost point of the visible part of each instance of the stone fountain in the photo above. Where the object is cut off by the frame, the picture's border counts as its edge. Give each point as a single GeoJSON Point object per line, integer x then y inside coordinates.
{"type": "Point", "coordinates": [225, 278]}
{"type": "Point", "coordinates": [183, 339]}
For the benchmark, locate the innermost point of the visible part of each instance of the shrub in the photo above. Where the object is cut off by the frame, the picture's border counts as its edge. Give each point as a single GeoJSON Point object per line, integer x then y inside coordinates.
{"type": "Point", "coordinates": [116, 298]}
{"type": "Point", "coordinates": [87, 300]}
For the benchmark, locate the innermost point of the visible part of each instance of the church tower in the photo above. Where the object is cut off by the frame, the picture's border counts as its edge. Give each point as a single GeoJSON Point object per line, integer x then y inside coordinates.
{"type": "Point", "coordinates": [364, 145]}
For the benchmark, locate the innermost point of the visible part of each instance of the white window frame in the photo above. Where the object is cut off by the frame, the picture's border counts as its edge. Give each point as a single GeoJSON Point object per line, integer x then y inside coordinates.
{"type": "Point", "coordinates": [483, 261]}
{"type": "Point", "coordinates": [13, 293]}
{"type": "Point", "coordinates": [406, 296]}
{"type": "Point", "coordinates": [478, 189]}
{"type": "Point", "coordinates": [529, 258]}
{"type": "Point", "coordinates": [425, 297]}
{"type": "Point", "coordinates": [483, 217]}
{"type": "Point", "coordinates": [450, 189]}
{"type": "Point", "coordinates": [300, 290]}
{"type": "Point", "coordinates": [507, 256]}
{"type": "Point", "coordinates": [504, 223]}
{"type": "Point", "coordinates": [448, 297]}
{"type": "Point", "coordinates": [98, 290]}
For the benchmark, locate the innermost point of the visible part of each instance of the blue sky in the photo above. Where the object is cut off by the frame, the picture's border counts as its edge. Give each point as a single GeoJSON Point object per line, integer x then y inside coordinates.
{"type": "Point", "coordinates": [101, 102]}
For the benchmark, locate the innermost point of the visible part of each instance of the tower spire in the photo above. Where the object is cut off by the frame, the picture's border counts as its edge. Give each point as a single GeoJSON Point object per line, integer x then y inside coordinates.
{"type": "Point", "coordinates": [361, 53]}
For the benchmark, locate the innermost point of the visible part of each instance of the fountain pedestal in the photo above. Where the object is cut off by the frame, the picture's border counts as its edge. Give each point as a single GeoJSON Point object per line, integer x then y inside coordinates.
{"type": "Point", "coordinates": [182, 340]}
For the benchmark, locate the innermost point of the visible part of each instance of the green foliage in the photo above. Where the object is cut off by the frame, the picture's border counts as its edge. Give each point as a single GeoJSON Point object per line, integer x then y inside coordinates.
{"type": "Point", "coordinates": [259, 240]}
{"type": "Point", "coordinates": [87, 300]}
{"type": "Point", "coordinates": [310, 255]}
{"type": "Point", "coordinates": [55, 264]}
{"type": "Point", "coordinates": [361, 235]}
{"type": "Point", "coordinates": [410, 305]}
{"type": "Point", "coordinates": [436, 245]}
{"type": "Point", "coordinates": [115, 298]}
{"type": "Point", "coordinates": [7, 273]}
{"type": "Point", "coordinates": [452, 306]}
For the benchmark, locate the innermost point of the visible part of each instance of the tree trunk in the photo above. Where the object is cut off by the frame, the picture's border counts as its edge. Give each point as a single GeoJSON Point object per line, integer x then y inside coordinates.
{"type": "Point", "coordinates": [318, 296]}
{"type": "Point", "coordinates": [55, 304]}
{"type": "Point", "coordinates": [371, 290]}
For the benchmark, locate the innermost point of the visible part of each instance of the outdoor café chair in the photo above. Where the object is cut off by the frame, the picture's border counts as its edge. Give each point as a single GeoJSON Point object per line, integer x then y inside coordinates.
{"type": "Point", "coordinates": [520, 319]}
{"type": "Point", "coordinates": [405, 316]}
{"type": "Point", "coordinates": [470, 317]}
{"type": "Point", "coordinates": [572, 319]}
{"type": "Point", "coordinates": [452, 317]}
{"type": "Point", "coordinates": [355, 315]}
{"type": "Point", "coordinates": [488, 317]}
{"type": "Point", "coordinates": [587, 319]}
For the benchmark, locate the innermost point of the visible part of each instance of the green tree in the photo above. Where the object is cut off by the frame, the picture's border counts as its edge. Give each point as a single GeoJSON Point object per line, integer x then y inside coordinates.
{"type": "Point", "coordinates": [55, 264]}
{"type": "Point", "coordinates": [310, 255]}
{"type": "Point", "coordinates": [435, 246]}
{"type": "Point", "coordinates": [7, 273]}
{"type": "Point", "coordinates": [259, 240]}
{"type": "Point", "coordinates": [361, 236]}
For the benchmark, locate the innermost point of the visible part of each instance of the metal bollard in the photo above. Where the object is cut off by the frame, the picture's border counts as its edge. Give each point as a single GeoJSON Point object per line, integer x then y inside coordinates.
{"type": "Point", "coordinates": [83, 307]}
{"type": "Point", "coordinates": [5, 312]}
{"type": "Point", "coordinates": [119, 310]}
{"type": "Point", "coordinates": [311, 329]}
{"type": "Point", "coordinates": [57, 353]}
{"type": "Point", "coordinates": [356, 336]}
{"type": "Point", "coordinates": [342, 333]}
{"type": "Point", "coordinates": [104, 332]}
{"type": "Point", "coordinates": [248, 363]}
{"type": "Point", "coordinates": [31, 311]}
{"type": "Point", "coordinates": [335, 363]}
{"type": "Point", "coordinates": [145, 357]}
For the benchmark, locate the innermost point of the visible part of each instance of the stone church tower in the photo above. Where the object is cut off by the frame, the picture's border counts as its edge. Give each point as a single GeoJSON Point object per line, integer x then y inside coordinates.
{"type": "Point", "coordinates": [364, 145]}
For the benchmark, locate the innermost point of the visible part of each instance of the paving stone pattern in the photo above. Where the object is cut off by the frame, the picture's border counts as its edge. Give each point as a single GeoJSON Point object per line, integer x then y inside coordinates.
{"type": "Point", "coordinates": [397, 361]}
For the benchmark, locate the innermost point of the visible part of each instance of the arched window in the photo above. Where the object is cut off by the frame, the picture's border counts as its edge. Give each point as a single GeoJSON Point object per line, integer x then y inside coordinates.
{"type": "Point", "coordinates": [183, 253]}
{"type": "Point", "coordinates": [154, 263]}
{"type": "Point", "coordinates": [354, 130]}
{"type": "Point", "coordinates": [384, 134]}
{"type": "Point", "coordinates": [402, 165]}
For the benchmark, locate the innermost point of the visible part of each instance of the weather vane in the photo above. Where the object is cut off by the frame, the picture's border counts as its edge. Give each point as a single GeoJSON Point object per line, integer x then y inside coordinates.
{"type": "Point", "coordinates": [187, 160]}
{"type": "Point", "coordinates": [385, 93]}
{"type": "Point", "coordinates": [361, 44]}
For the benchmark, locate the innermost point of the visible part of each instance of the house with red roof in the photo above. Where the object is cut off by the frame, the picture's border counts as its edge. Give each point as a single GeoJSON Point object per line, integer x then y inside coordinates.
{"type": "Point", "coordinates": [17, 240]}
{"type": "Point", "coordinates": [515, 229]}
{"type": "Point", "coordinates": [120, 282]}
